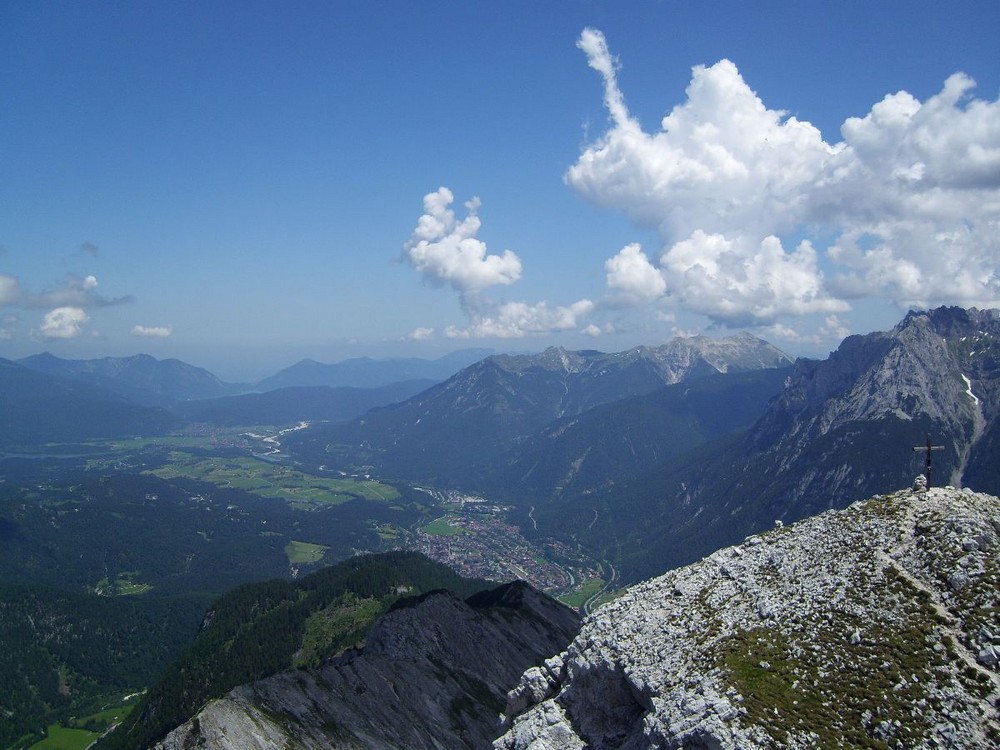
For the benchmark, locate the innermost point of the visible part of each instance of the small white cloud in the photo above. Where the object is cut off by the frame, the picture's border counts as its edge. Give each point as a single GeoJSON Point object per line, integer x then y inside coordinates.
{"type": "Point", "coordinates": [685, 333]}
{"type": "Point", "coordinates": [446, 250]}
{"type": "Point", "coordinates": [420, 334]}
{"type": "Point", "coordinates": [631, 274]}
{"type": "Point", "coordinates": [832, 331]}
{"type": "Point", "coordinates": [10, 290]}
{"type": "Point", "coordinates": [7, 324]}
{"type": "Point", "coordinates": [514, 320]}
{"type": "Point", "coordinates": [63, 323]}
{"type": "Point", "coordinates": [155, 332]}
{"type": "Point", "coordinates": [786, 333]}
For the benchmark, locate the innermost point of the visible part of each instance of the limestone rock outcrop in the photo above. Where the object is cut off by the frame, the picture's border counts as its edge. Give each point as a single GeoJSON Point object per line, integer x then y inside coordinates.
{"type": "Point", "coordinates": [880, 622]}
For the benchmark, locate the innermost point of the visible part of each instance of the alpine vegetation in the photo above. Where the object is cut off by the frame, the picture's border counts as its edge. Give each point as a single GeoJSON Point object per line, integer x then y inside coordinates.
{"type": "Point", "coordinates": [875, 626]}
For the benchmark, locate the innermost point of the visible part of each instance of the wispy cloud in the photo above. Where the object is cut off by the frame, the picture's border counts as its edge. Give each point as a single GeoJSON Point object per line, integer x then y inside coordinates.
{"type": "Point", "coordinates": [10, 290]}
{"type": "Point", "coordinates": [7, 324]}
{"type": "Point", "coordinates": [75, 291]}
{"type": "Point", "coordinates": [154, 332]}
{"type": "Point", "coordinates": [514, 320]}
{"type": "Point", "coordinates": [421, 334]}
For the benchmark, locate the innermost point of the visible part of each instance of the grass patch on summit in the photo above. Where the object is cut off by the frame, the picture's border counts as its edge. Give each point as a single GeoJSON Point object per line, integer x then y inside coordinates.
{"type": "Point", "coordinates": [808, 679]}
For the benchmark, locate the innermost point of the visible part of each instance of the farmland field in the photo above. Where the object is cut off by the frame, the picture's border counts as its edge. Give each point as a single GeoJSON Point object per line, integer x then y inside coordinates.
{"type": "Point", "coordinates": [61, 738]}
{"type": "Point", "coordinates": [267, 479]}
{"type": "Point", "coordinates": [304, 552]}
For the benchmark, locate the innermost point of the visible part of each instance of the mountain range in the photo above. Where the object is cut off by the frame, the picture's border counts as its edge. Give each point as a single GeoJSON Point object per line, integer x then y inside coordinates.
{"type": "Point", "coordinates": [650, 458]}
{"type": "Point", "coordinates": [142, 379]}
{"type": "Point", "coordinates": [52, 400]}
{"type": "Point", "coordinates": [654, 457]}
{"type": "Point", "coordinates": [483, 411]}
{"type": "Point", "coordinates": [38, 408]}
{"type": "Point", "coordinates": [647, 460]}
{"type": "Point", "coordinates": [364, 372]}
{"type": "Point", "coordinates": [840, 429]}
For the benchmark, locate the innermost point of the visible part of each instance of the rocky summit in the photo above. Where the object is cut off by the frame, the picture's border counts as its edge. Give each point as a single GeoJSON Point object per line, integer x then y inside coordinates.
{"type": "Point", "coordinates": [873, 626]}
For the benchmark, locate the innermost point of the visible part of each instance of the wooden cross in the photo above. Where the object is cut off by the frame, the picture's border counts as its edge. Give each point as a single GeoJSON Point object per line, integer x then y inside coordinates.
{"type": "Point", "coordinates": [927, 460]}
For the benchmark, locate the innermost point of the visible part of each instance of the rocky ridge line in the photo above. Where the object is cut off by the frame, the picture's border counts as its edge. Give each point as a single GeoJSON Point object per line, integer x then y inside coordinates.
{"type": "Point", "coordinates": [878, 625]}
{"type": "Point", "coordinates": [432, 674]}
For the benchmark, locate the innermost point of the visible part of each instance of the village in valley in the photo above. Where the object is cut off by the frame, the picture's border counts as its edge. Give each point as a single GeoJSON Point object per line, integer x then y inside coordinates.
{"type": "Point", "coordinates": [474, 537]}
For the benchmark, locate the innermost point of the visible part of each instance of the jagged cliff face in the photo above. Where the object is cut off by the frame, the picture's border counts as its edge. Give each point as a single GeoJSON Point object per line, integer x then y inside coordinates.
{"type": "Point", "coordinates": [839, 430]}
{"type": "Point", "coordinates": [876, 624]}
{"type": "Point", "coordinates": [937, 371]}
{"type": "Point", "coordinates": [432, 674]}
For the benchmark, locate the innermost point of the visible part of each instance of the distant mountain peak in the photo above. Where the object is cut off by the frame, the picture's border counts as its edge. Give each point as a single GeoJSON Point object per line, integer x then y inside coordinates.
{"type": "Point", "coordinates": [365, 372]}
{"type": "Point", "coordinates": [141, 377]}
{"type": "Point", "coordinates": [487, 407]}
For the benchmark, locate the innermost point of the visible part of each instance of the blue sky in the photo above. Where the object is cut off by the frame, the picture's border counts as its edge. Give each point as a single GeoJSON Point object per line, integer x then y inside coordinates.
{"type": "Point", "coordinates": [241, 185]}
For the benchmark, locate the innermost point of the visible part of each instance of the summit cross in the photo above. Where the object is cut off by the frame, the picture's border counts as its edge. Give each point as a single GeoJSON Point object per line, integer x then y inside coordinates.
{"type": "Point", "coordinates": [927, 459]}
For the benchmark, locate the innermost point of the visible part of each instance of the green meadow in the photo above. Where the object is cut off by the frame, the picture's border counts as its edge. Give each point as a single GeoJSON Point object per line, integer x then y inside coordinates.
{"type": "Point", "coordinates": [441, 527]}
{"type": "Point", "coordinates": [304, 553]}
{"type": "Point", "coordinates": [269, 479]}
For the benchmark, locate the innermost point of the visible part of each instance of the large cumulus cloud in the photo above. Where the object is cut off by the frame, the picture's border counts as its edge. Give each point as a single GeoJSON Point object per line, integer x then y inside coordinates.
{"type": "Point", "coordinates": [911, 195]}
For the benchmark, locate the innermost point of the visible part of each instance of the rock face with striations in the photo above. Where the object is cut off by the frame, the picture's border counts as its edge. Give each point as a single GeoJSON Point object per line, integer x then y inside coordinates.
{"type": "Point", "coordinates": [874, 626]}
{"type": "Point", "coordinates": [433, 674]}
{"type": "Point", "coordinates": [937, 372]}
